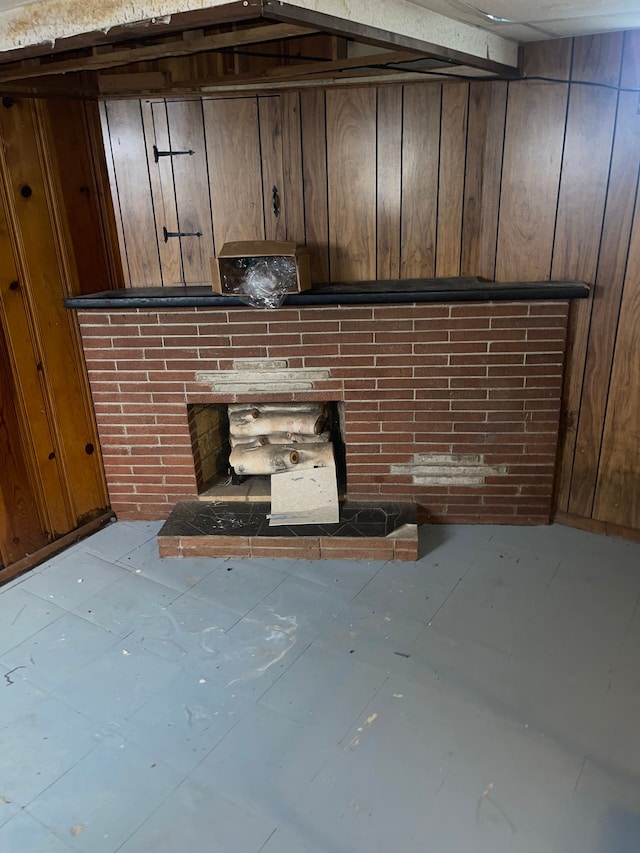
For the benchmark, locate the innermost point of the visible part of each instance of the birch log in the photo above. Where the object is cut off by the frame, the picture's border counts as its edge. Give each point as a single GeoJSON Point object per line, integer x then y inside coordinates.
{"type": "Point", "coordinates": [309, 423]}
{"type": "Point", "coordinates": [252, 440]}
{"type": "Point", "coordinates": [271, 459]}
{"type": "Point", "coordinates": [266, 459]}
{"type": "Point", "coordinates": [247, 409]}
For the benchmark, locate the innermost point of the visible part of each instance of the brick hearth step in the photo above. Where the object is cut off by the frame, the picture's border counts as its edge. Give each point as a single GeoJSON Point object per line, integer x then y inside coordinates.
{"type": "Point", "coordinates": [365, 531]}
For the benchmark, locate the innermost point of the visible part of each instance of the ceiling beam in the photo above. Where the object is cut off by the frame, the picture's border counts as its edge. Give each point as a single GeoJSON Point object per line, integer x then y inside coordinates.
{"type": "Point", "coordinates": [301, 71]}
{"type": "Point", "coordinates": [165, 50]}
{"type": "Point", "coordinates": [405, 26]}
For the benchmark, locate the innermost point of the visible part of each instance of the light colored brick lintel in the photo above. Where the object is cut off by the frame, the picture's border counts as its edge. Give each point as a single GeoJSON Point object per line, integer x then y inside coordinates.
{"type": "Point", "coordinates": [263, 387]}
{"type": "Point", "coordinates": [448, 481]}
{"type": "Point", "coordinates": [260, 364]}
{"type": "Point", "coordinates": [258, 377]}
{"type": "Point", "coordinates": [447, 459]}
{"type": "Point", "coordinates": [451, 470]}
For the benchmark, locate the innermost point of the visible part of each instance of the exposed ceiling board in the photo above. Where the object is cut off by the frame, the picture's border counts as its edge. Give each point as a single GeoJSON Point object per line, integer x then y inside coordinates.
{"type": "Point", "coordinates": [486, 30]}
{"type": "Point", "coordinates": [397, 23]}
{"type": "Point", "coordinates": [50, 21]}
{"type": "Point", "coordinates": [403, 18]}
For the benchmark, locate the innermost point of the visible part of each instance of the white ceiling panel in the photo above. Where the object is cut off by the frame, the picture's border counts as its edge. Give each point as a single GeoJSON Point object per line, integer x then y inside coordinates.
{"type": "Point", "coordinates": [547, 19]}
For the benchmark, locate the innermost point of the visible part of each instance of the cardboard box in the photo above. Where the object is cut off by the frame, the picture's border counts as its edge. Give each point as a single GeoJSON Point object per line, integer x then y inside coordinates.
{"type": "Point", "coordinates": [226, 268]}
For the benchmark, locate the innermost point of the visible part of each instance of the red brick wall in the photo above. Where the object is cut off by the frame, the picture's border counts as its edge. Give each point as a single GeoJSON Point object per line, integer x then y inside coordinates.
{"type": "Point", "coordinates": [463, 378]}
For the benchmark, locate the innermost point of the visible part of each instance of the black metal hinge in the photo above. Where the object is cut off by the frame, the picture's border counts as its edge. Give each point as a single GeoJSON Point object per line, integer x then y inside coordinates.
{"type": "Point", "coordinates": [166, 234]}
{"type": "Point", "coordinates": [158, 154]}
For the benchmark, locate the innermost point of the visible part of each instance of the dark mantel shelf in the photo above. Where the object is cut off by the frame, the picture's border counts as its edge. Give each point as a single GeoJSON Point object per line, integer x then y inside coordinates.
{"type": "Point", "coordinates": [463, 289]}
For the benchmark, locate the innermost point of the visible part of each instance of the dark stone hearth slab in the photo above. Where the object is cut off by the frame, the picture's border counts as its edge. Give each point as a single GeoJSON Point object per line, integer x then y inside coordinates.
{"type": "Point", "coordinates": [196, 518]}
{"type": "Point", "coordinates": [365, 531]}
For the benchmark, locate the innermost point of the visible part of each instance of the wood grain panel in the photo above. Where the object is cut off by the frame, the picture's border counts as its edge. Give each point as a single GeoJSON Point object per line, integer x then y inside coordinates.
{"type": "Point", "coordinates": [292, 186]}
{"type": "Point", "coordinates": [389, 181]}
{"type": "Point", "coordinates": [78, 179]}
{"type": "Point", "coordinates": [530, 178]}
{"type": "Point", "coordinates": [110, 171]}
{"type": "Point", "coordinates": [314, 164]}
{"type": "Point", "coordinates": [588, 141]}
{"type": "Point", "coordinates": [420, 151]}
{"type": "Point", "coordinates": [233, 152]}
{"type": "Point", "coordinates": [453, 136]}
{"type": "Point", "coordinates": [156, 131]}
{"type": "Point", "coordinates": [21, 531]}
{"type": "Point", "coordinates": [607, 295]}
{"type": "Point", "coordinates": [630, 75]}
{"type": "Point", "coordinates": [351, 157]}
{"type": "Point", "coordinates": [133, 192]}
{"type": "Point", "coordinates": [551, 59]}
{"type": "Point", "coordinates": [186, 133]}
{"type": "Point", "coordinates": [485, 143]}
{"type": "Point", "coordinates": [597, 58]}
{"type": "Point", "coordinates": [24, 356]}
{"type": "Point", "coordinates": [270, 117]}
{"type": "Point", "coordinates": [46, 277]}
{"type": "Point", "coordinates": [617, 494]}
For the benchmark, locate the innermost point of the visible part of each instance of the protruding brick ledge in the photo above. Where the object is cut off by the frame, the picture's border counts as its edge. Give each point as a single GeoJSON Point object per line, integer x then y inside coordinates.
{"type": "Point", "coordinates": [179, 537]}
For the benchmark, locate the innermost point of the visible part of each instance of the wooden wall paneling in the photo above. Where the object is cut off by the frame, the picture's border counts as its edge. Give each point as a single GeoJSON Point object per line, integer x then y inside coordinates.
{"type": "Point", "coordinates": [485, 143]}
{"type": "Point", "coordinates": [233, 155]}
{"type": "Point", "coordinates": [270, 118]}
{"type": "Point", "coordinates": [597, 58]}
{"type": "Point", "coordinates": [588, 143]}
{"type": "Point", "coordinates": [47, 277]}
{"type": "Point", "coordinates": [21, 531]}
{"type": "Point", "coordinates": [132, 190]}
{"type": "Point", "coordinates": [630, 74]}
{"type": "Point", "coordinates": [530, 179]}
{"type": "Point", "coordinates": [24, 358]}
{"type": "Point", "coordinates": [389, 181]}
{"type": "Point", "coordinates": [292, 180]}
{"type": "Point", "coordinates": [163, 194]}
{"type": "Point", "coordinates": [420, 155]}
{"type": "Point", "coordinates": [550, 59]}
{"type": "Point", "coordinates": [453, 138]}
{"type": "Point", "coordinates": [607, 295]}
{"type": "Point", "coordinates": [99, 159]}
{"type": "Point", "coordinates": [85, 212]}
{"type": "Point", "coordinates": [351, 157]}
{"type": "Point", "coordinates": [314, 171]}
{"type": "Point", "coordinates": [186, 133]}
{"type": "Point", "coordinates": [113, 193]}
{"type": "Point", "coordinates": [617, 497]}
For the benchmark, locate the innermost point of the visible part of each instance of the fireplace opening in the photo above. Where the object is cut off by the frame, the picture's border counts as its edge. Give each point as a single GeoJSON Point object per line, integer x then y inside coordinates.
{"type": "Point", "coordinates": [237, 446]}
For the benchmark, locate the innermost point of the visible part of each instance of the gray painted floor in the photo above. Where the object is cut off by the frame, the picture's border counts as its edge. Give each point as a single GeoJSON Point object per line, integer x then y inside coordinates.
{"type": "Point", "coordinates": [485, 698]}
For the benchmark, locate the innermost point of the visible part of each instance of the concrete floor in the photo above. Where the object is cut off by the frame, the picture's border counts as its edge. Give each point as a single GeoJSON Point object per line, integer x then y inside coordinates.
{"type": "Point", "coordinates": [485, 698]}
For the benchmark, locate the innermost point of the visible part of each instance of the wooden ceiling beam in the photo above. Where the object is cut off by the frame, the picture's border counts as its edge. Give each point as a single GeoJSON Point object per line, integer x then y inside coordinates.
{"type": "Point", "coordinates": [277, 10]}
{"type": "Point", "coordinates": [165, 50]}
{"type": "Point", "coordinates": [299, 71]}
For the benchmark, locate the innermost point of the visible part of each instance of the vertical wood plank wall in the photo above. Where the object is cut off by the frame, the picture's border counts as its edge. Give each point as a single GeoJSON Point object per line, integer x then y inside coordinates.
{"type": "Point", "coordinates": [529, 179]}
{"type": "Point", "coordinates": [55, 240]}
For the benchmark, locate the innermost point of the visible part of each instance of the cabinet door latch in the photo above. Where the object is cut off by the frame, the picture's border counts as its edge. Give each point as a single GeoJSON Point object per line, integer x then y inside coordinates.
{"type": "Point", "coordinates": [166, 234]}
{"type": "Point", "coordinates": [158, 154]}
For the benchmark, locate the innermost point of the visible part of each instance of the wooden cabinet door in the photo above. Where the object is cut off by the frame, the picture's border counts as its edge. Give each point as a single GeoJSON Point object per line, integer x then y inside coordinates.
{"type": "Point", "coordinates": [232, 129]}
{"type": "Point", "coordinates": [208, 171]}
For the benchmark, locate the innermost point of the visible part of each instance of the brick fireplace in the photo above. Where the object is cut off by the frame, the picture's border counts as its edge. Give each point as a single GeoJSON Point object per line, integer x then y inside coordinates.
{"type": "Point", "coordinates": [453, 406]}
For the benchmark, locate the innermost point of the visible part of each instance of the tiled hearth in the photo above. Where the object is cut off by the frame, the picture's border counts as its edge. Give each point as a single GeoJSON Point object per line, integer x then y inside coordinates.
{"type": "Point", "coordinates": [364, 532]}
{"type": "Point", "coordinates": [452, 406]}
